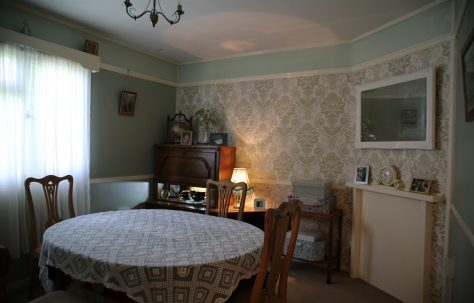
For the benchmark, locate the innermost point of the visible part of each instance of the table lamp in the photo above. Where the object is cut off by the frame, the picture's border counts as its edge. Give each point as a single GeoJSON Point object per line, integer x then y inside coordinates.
{"type": "Point", "coordinates": [240, 175]}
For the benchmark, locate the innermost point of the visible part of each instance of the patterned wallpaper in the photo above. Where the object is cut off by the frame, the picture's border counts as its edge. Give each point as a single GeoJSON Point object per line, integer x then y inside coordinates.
{"type": "Point", "coordinates": [303, 128]}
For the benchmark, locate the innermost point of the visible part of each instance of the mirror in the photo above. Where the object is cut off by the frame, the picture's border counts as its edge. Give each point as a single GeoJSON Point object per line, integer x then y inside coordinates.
{"type": "Point", "coordinates": [397, 113]}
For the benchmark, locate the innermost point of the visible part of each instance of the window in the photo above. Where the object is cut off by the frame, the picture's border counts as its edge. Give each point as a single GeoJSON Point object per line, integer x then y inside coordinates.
{"type": "Point", "coordinates": [44, 118]}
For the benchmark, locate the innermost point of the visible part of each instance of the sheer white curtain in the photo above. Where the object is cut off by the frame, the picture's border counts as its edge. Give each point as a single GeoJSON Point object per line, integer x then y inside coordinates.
{"type": "Point", "coordinates": [44, 123]}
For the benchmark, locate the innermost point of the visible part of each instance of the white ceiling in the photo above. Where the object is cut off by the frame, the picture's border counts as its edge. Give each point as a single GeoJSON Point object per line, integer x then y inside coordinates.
{"type": "Point", "coordinates": [212, 29]}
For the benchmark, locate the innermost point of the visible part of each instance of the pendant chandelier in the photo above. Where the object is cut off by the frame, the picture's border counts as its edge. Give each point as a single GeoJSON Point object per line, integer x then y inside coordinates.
{"type": "Point", "coordinates": [154, 12]}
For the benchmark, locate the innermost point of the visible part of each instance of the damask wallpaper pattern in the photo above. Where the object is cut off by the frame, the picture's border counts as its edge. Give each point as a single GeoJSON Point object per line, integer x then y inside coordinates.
{"type": "Point", "coordinates": [303, 128]}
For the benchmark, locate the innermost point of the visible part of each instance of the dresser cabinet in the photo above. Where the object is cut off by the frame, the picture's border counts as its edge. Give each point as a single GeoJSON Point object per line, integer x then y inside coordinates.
{"type": "Point", "coordinates": [191, 165]}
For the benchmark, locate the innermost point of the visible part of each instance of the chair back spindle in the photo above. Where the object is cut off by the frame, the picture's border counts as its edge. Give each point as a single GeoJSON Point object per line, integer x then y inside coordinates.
{"type": "Point", "coordinates": [225, 192]}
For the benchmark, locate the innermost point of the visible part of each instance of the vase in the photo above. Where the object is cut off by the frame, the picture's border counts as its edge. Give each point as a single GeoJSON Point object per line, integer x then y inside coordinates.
{"type": "Point", "coordinates": [203, 135]}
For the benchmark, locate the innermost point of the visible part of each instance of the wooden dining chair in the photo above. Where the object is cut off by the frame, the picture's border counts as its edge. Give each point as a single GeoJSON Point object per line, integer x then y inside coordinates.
{"type": "Point", "coordinates": [225, 194]}
{"type": "Point", "coordinates": [50, 185]}
{"type": "Point", "coordinates": [275, 262]}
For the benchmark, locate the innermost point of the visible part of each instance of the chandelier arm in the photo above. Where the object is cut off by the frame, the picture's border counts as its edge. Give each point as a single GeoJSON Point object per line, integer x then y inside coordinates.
{"type": "Point", "coordinates": [171, 21]}
{"type": "Point", "coordinates": [136, 16]}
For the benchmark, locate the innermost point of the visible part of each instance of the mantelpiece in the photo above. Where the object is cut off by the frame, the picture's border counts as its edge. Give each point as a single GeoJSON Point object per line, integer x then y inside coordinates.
{"type": "Point", "coordinates": [391, 240]}
{"type": "Point", "coordinates": [387, 190]}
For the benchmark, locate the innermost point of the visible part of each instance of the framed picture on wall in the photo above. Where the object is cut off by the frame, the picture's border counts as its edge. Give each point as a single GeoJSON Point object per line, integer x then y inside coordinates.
{"type": "Point", "coordinates": [91, 47]}
{"type": "Point", "coordinates": [361, 175]}
{"type": "Point", "coordinates": [468, 76]}
{"type": "Point", "coordinates": [127, 103]}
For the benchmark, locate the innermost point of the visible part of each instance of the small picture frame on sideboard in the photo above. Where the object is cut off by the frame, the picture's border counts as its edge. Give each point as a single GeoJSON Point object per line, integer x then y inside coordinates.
{"type": "Point", "coordinates": [219, 138]}
{"type": "Point", "coordinates": [421, 185]}
{"type": "Point", "coordinates": [259, 203]}
{"type": "Point", "coordinates": [186, 137]}
{"type": "Point", "coordinates": [361, 174]}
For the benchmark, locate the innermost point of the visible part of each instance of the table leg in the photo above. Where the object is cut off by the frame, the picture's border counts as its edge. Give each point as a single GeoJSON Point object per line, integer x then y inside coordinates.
{"type": "Point", "coordinates": [339, 242]}
{"type": "Point", "coordinates": [59, 278]}
{"type": "Point", "coordinates": [329, 258]}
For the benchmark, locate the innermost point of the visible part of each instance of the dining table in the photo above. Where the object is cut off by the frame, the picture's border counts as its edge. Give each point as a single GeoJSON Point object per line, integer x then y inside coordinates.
{"type": "Point", "coordinates": [154, 255]}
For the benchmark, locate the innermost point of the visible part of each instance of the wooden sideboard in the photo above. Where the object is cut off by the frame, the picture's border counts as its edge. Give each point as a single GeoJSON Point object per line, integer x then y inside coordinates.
{"type": "Point", "coordinates": [191, 165]}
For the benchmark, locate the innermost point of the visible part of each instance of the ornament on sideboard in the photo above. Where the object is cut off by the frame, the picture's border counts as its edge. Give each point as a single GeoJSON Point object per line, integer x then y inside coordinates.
{"type": "Point", "coordinates": [206, 120]}
{"type": "Point", "coordinates": [388, 176]}
{"type": "Point", "coordinates": [177, 124]}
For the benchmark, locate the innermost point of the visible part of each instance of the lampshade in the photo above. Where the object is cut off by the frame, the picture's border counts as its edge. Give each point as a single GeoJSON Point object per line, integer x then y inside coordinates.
{"type": "Point", "coordinates": [241, 175]}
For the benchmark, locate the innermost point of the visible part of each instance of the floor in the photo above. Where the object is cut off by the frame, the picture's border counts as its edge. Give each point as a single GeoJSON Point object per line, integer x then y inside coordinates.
{"type": "Point", "coordinates": [306, 284]}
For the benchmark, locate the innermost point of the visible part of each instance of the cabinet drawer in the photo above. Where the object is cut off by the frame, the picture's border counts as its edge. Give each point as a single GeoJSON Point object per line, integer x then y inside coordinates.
{"type": "Point", "coordinates": [184, 166]}
{"type": "Point", "coordinates": [192, 165]}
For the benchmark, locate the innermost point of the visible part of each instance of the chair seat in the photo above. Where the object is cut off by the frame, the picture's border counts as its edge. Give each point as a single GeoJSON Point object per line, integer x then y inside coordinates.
{"type": "Point", "coordinates": [59, 296]}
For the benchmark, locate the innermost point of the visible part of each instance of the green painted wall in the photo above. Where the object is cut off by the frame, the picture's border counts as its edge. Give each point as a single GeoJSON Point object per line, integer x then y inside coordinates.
{"type": "Point", "coordinates": [270, 63]}
{"type": "Point", "coordinates": [122, 145]}
{"type": "Point", "coordinates": [112, 196]}
{"type": "Point", "coordinates": [433, 23]}
{"type": "Point", "coordinates": [461, 250]}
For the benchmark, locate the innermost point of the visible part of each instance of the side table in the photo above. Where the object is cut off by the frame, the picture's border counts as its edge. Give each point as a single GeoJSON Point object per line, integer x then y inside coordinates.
{"type": "Point", "coordinates": [330, 218]}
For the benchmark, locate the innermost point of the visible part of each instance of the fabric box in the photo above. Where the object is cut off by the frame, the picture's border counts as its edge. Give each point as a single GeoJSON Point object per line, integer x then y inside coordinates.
{"type": "Point", "coordinates": [325, 206]}
{"type": "Point", "coordinates": [311, 192]}
{"type": "Point", "coordinates": [309, 247]}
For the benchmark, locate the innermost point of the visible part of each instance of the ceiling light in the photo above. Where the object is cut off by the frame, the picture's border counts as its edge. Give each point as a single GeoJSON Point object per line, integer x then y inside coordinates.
{"type": "Point", "coordinates": [154, 13]}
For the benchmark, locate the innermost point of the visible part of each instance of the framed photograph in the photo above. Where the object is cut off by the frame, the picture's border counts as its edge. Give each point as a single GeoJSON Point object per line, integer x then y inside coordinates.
{"type": "Point", "coordinates": [259, 203]}
{"type": "Point", "coordinates": [468, 76]}
{"type": "Point", "coordinates": [127, 103]}
{"type": "Point", "coordinates": [186, 137]}
{"type": "Point", "coordinates": [174, 190]}
{"type": "Point", "coordinates": [361, 175]}
{"type": "Point", "coordinates": [219, 138]}
{"type": "Point", "coordinates": [91, 47]}
{"type": "Point", "coordinates": [420, 185]}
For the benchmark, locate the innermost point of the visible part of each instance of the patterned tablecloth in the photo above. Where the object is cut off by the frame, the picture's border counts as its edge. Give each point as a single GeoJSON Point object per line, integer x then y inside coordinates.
{"type": "Point", "coordinates": [155, 255]}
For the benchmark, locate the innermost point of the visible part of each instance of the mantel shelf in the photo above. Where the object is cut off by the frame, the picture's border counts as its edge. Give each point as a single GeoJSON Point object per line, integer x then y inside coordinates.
{"type": "Point", "coordinates": [397, 192]}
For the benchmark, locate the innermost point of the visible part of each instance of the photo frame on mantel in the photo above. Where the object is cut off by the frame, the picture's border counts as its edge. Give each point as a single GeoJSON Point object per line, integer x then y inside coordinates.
{"type": "Point", "coordinates": [468, 76]}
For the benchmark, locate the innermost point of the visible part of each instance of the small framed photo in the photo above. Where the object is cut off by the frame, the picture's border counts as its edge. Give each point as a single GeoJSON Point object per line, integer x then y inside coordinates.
{"type": "Point", "coordinates": [420, 185]}
{"type": "Point", "coordinates": [361, 174]}
{"type": "Point", "coordinates": [174, 190]}
{"type": "Point", "coordinates": [219, 138]}
{"type": "Point", "coordinates": [127, 103]}
{"type": "Point", "coordinates": [186, 137]}
{"type": "Point", "coordinates": [259, 203]}
{"type": "Point", "coordinates": [91, 47]}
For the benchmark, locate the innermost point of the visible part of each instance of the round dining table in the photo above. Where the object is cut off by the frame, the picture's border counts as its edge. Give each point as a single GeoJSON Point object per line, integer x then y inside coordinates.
{"type": "Point", "coordinates": [155, 255]}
